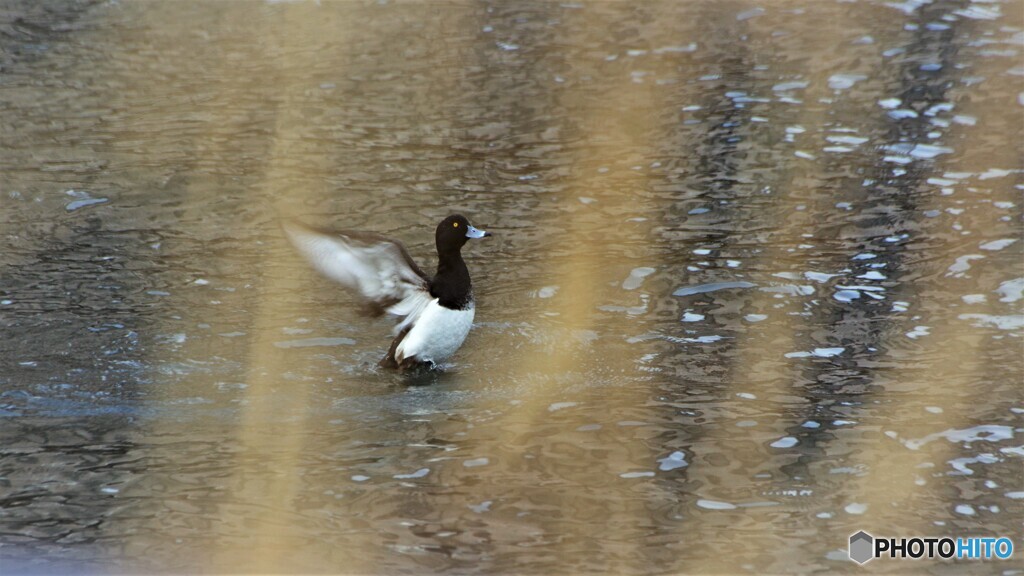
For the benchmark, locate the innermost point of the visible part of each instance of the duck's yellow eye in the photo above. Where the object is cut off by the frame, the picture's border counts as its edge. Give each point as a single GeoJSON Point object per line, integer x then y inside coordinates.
{"type": "Point", "coordinates": [455, 224]}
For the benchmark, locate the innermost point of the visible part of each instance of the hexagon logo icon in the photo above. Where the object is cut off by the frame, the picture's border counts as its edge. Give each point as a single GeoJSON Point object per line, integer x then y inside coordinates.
{"type": "Point", "coordinates": [861, 547]}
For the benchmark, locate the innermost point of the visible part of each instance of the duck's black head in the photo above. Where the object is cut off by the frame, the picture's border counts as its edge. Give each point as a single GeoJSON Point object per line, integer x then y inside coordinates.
{"type": "Point", "coordinates": [453, 232]}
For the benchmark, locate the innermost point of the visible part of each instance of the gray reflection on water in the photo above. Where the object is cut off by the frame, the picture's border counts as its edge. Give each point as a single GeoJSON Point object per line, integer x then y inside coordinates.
{"type": "Point", "coordinates": [173, 378]}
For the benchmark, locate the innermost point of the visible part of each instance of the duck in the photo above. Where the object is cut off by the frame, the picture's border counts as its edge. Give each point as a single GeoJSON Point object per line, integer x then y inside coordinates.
{"type": "Point", "coordinates": [435, 313]}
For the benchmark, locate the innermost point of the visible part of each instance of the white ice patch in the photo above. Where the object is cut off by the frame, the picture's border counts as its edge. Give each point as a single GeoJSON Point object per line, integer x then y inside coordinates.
{"type": "Point", "coordinates": [1011, 290]}
{"type": "Point", "coordinates": [976, 12]}
{"type": "Point", "coordinates": [998, 244]}
{"type": "Point", "coordinates": [844, 81]}
{"type": "Point", "coordinates": [817, 353]}
{"type": "Point", "coordinates": [691, 47]}
{"type": "Point", "coordinates": [846, 295]}
{"type": "Point", "coordinates": [636, 277]}
{"type": "Point", "coordinates": [965, 509]}
{"type": "Point", "coordinates": [417, 474]}
{"type": "Point", "coordinates": [1011, 322]}
{"type": "Point", "coordinates": [547, 292]}
{"type": "Point", "coordinates": [983, 433]}
{"type": "Point", "coordinates": [820, 276]}
{"type": "Point", "coordinates": [919, 151]}
{"type": "Point", "coordinates": [83, 200]}
{"type": "Point", "coordinates": [785, 442]}
{"type": "Point", "coordinates": [959, 268]}
{"type": "Point", "coordinates": [715, 505]}
{"type": "Point", "coordinates": [673, 461]}
{"type": "Point", "coordinates": [918, 332]}
{"type": "Point", "coordinates": [850, 140]}
{"type": "Point", "coordinates": [787, 86]}
{"type": "Point", "coordinates": [856, 508]}
{"type": "Point", "coordinates": [995, 173]}
{"type": "Point", "coordinates": [636, 475]}
{"type": "Point", "coordinates": [961, 464]}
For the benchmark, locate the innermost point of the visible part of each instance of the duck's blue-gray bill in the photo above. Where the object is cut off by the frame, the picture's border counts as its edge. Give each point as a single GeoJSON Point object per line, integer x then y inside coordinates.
{"type": "Point", "coordinates": [474, 233]}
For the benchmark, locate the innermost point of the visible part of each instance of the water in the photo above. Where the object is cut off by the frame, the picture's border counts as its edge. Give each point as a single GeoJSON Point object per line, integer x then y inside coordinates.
{"type": "Point", "coordinates": [755, 285]}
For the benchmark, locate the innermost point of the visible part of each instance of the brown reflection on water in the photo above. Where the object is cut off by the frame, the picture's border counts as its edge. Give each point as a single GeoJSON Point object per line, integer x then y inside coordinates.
{"type": "Point", "coordinates": [251, 517]}
{"type": "Point", "coordinates": [270, 533]}
{"type": "Point", "coordinates": [592, 242]}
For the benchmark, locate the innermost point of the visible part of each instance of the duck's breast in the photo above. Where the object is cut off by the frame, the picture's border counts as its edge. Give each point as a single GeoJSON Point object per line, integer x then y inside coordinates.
{"type": "Point", "coordinates": [437, 333]}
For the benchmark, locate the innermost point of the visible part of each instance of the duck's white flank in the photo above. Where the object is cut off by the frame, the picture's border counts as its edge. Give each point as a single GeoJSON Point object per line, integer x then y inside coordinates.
{"type": "Point", "coordinates": [436, 334]}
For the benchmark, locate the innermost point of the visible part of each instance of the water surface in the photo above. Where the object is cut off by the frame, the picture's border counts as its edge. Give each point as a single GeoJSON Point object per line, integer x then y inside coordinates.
{"type": "Point", "coordinates": [756, 284]}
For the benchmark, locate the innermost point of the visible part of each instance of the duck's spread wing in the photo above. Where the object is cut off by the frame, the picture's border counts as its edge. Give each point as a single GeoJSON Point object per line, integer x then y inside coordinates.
{"type": "Point", "coordinates": [378, 268]}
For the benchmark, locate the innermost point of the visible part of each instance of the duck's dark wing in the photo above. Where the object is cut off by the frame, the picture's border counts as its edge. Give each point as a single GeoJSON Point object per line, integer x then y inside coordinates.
{"type": "Point", "coordinates": [380, 269]}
